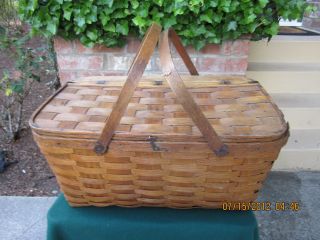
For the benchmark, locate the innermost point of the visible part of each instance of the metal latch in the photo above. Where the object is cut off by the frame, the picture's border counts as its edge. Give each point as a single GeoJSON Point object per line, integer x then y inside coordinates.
{"type": "Point", "coordinates": [155, 147]}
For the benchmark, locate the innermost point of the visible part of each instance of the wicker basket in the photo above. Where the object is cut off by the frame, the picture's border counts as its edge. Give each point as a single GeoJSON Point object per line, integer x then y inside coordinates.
{"type": "Point", "coordinates": [170, 141]}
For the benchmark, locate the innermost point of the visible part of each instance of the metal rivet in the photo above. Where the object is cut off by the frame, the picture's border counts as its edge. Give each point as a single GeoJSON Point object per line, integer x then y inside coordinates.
{"type": "Point", "coordinates": [226, 82]}
{"type": "Point", "coordinates": [101, 82]}
{"type": "Point", "coordinates": [158, 82]}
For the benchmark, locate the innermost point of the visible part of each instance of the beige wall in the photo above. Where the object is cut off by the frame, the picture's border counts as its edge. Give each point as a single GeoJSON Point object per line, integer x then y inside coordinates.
{"type": "Point", "coordinates": [289, 68]}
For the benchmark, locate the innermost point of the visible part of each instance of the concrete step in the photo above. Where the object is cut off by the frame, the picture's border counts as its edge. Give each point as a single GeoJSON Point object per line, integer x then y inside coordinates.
{"type": "Point", "coordinates": [302, 118]}
{"type": "Point", "coordinates": [288, 67]}
{"type": "Point", "coordinates": [297, 159]}
{"type": "Point", "coordinates": [283, 66]}
{"type": "Point", "coordinates": [303, 139]}
{"type": "Point", "coordinates": [286, 49]}
{"type": "Point", "coordinates": [296, 100]}
{"type": "Point", "coordinates": [288, 81]}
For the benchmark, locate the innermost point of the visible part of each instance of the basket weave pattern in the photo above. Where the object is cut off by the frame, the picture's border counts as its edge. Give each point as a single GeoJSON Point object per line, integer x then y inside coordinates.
{"type": "Point", "coordinates": [131, 174]}
{"type": "Point", "coordinates": [169, 141]}
{"type": "Point", "coordinates": [240, 110]}
{"type": "Point", "coordinates": [179, 174]}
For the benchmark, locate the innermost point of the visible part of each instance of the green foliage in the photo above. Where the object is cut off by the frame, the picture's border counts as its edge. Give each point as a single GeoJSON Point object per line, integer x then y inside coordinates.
{"type": "Point", "coordinates": [198, 22]}
{"type": "Point", "coordinates": [8, 13]}
{"type": "Point", "coordinates": [20, 72]}
{"type": "Point", "coordinates": [16, 81]}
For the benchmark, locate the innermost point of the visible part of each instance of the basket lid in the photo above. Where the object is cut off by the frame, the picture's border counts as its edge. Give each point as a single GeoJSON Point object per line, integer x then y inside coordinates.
{"type": "Point", "coordinates": [238, 109]}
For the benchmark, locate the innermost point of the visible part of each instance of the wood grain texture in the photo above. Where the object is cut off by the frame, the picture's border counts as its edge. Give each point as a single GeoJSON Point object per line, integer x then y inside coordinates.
{"type": "Point", "coordinates": [184, 172]}
{"type": "Point", "coordinates": [134, 74]}
{"type": "Point", "coordinates": [239, 120]}
{"type": "Point", "coordinates": [182, 175]}
{"type": "Point", "coordinates": [158, 153]}
{"type": "Point", "coordinates": [183, 95]}
{"type": "Point", "coordinates": [182, 52]}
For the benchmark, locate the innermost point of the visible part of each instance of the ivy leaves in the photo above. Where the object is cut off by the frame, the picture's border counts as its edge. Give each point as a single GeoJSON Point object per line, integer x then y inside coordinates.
{"type": "Point", "coordinates": [197, 21]}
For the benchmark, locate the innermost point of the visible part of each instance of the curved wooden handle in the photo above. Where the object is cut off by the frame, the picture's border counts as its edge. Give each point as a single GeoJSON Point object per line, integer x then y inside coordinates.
{"type": "Point", "coordinates": [183, 95]}
{"type": "Point", "coordinates": [134, 75]}
{"type": "Point", "coordinates": [182, 51]}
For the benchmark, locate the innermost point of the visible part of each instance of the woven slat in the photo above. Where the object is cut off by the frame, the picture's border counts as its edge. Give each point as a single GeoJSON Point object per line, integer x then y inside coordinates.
{"type": "Point", "coordinates": [184, 173]}
{"type": "Point", "coordinates": [195, 141]}
{"type": "Point", "coordinates": [132, 174]}
{"type": "Point", "coordinates": [236, 111]}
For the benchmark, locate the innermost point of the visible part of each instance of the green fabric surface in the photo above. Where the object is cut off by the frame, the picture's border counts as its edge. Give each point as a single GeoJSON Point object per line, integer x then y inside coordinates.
{"type": "Point", "coordinates": [116, 223]}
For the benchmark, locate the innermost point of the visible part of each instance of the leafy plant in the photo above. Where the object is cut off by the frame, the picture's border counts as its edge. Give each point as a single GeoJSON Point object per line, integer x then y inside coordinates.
{"type": "Point", "coordinates": [8, 13]}
{"type": "Point", "coordinates": [22, 71]}
{"type": "Point", "coordinates": [198, 22]}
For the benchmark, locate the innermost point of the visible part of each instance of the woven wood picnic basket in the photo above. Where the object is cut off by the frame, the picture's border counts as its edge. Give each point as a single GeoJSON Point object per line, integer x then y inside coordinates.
{"type": "Point", "coordinates": [167, 140]}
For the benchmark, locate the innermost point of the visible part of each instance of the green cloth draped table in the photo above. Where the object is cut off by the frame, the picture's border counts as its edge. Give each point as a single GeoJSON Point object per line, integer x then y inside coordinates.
{"type": "Point", "coordinates": [116, 223]}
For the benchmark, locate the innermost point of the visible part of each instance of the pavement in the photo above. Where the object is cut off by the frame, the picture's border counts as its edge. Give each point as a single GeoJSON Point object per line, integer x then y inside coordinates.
{"type": "Point", "coordinates": [24, 218]}
{"type": "Point", "coordinates": [301, 187]}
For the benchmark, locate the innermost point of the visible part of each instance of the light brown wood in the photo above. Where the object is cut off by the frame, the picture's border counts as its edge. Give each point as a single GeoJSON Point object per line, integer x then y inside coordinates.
{"type": "Point", "coordinates": [152, 78]}
{"type": "Point", "coordinates": [184, 97]}
{"type": "Point", "coordinates": [157, 155]}
{"type": "Point", "coordinates": [230, 118]}
{"type": "Point", "coordinates": [133, 172]}
{"type": "Point", "coordinates": [134, 74]}
{"type": "Point", "coordinates": [182, 51]}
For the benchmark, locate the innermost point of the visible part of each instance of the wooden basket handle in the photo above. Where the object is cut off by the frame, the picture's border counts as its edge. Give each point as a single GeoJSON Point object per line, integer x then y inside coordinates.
{"type": "Point", "coordinates": [135, 72]}
{"type": "Point", "coordinates": [182, 51]}
{"type": "Point", "coordinates": [183, 96]}
{"type": "Point", "coordinates": [171, 75]}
